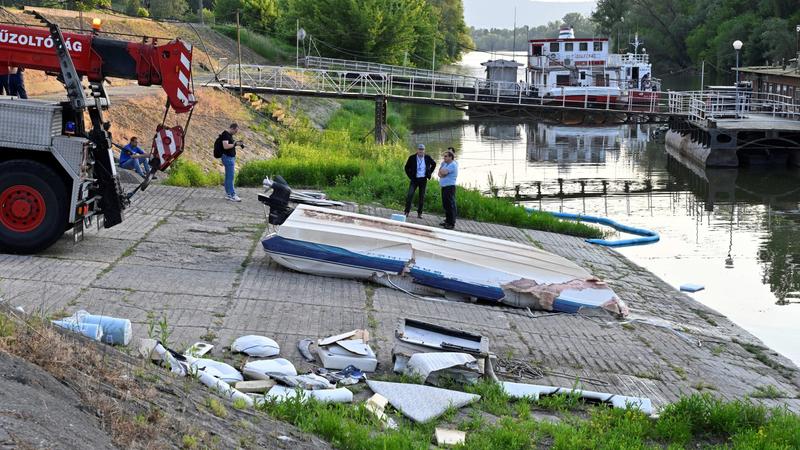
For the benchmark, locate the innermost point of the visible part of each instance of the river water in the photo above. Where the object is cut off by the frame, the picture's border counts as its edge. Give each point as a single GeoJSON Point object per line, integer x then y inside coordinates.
{"type": "Point", "coordinates": [735, 231]}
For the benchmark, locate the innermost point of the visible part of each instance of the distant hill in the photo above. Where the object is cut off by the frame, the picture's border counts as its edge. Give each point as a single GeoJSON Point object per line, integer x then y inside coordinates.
{"type": "Point", "coordinates": [500, 13]}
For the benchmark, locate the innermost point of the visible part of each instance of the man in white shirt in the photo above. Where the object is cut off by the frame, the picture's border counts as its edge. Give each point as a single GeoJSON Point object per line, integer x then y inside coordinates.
{"type": "Point", "coordinates": [448, 173]}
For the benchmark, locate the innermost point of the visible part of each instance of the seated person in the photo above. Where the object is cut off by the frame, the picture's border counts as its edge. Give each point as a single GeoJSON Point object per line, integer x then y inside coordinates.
{"type": "Point", "coordinates": [133, 158]}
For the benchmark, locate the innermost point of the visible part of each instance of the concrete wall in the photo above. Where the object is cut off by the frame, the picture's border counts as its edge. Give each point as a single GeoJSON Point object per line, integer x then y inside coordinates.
{"type": "Point", "coordinates": [700, 154]}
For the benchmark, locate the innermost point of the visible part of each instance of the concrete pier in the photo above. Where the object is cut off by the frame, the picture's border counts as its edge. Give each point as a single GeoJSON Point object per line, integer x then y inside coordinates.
{"type": "Point", "coordinates": [733, 142]}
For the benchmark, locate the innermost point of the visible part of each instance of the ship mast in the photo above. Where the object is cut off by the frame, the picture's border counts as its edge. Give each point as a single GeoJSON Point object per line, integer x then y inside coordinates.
{"type": "Point", "coordinates": [636, 43]}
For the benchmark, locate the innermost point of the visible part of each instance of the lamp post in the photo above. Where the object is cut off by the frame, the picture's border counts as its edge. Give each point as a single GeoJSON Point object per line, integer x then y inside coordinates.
{"type": "Point", "coordinates": [737, 45]}
{"type": "Point", "coordinates": [797, 49]}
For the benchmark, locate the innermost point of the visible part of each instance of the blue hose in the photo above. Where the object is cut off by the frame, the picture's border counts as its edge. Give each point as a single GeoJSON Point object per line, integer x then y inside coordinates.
{"type": "Point", "coordinates": [645, 236]}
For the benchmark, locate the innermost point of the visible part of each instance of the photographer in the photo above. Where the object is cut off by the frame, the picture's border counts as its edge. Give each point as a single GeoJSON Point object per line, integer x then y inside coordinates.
{"type": "Point", "coordinates": [229, 159]}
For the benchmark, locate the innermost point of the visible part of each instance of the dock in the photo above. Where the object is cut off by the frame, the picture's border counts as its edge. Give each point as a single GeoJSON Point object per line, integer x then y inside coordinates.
{"type": "Point", "coordinates": [726, 129]}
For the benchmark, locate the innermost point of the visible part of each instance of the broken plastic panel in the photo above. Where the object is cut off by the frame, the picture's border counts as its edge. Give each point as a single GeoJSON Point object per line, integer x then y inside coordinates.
{"type": "Point", "coordinates": [421, 403]}
{"type": "Point", "coordinates": [262, 369]}
{"type": "Point", "coordinates": [337, 357]}
{"type": "Point", "coordinates": [282, 393]}
{"type": "Point", "coordinates": [254, 345]}
{"type": "Point", "coordinates": [534, 391]}
{"type": "Point", "coordinates": [438, 337]}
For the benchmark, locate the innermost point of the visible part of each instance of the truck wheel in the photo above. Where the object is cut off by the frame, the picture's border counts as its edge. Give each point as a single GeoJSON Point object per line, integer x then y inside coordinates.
{"type": "Point", "coordinates": [33, 206]}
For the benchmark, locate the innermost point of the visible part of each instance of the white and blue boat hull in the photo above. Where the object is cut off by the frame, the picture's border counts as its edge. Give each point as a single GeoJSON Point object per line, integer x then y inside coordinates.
{"type": "Point", "coordinates": [341, 244]}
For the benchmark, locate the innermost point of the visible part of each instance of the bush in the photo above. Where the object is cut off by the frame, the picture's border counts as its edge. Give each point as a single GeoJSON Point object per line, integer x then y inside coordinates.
{"type": "Point", "coordinates": [298, 172]}
{"type": "Point", "coordinates": [271, 49]}
{"type": "Point", "coordinates": [188, 174]}
{"type": "Point", "coordinates": [142, 12]}
{"type": "Point", "coordinates": [208, 17]}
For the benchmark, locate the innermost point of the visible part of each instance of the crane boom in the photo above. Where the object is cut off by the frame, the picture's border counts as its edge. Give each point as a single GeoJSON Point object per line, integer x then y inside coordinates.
{"type": "Point", "coordinates": [97, 58]}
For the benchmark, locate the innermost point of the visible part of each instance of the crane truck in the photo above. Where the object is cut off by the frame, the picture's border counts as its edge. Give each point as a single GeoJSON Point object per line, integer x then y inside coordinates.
{"type": "Point", "coordinates": [57, 169]}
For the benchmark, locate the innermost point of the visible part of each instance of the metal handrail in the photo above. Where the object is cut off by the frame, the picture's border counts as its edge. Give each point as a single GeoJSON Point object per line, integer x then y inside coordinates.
{"type": "Point", "coordinates": [702, 106]}
{"type": "Point", "coordinates": [318, 62]}
{"type": "Point", "coordinates": [351, 83]}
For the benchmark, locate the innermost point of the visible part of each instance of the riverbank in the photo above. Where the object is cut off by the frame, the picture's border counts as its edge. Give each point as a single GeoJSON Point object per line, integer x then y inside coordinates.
{"type": "Point", "coordinates": [343, 161]}
{"type": "Point", "coordinates": [214, 283]}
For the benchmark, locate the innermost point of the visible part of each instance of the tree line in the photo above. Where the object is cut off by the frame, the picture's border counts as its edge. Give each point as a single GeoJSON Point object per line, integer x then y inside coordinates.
{"type": "Point", "coordinates": [413, 32]}
{"type": "Point", "coordinates": [679, 34]}
{"type": "Point", "coordinates": [499, 39]}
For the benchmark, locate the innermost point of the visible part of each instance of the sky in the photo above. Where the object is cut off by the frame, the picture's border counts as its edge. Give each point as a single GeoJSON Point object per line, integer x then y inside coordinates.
{"type": "Point", "coordinates": [500, 13]}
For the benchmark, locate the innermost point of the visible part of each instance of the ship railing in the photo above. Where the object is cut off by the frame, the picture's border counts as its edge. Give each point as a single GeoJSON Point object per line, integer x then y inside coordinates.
{"type": "Point", "coordinates": [626, 59]}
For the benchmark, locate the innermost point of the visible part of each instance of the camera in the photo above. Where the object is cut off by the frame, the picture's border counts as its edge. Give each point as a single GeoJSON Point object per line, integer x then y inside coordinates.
{"type": "Point", "coordinates": [239, 143]}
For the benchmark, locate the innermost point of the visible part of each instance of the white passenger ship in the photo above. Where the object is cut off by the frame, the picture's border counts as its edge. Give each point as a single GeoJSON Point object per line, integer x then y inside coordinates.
{"type": "Point", "coordinates": [579, 70]}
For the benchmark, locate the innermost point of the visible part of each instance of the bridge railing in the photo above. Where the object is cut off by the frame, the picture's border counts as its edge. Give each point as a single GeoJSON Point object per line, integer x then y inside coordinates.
{"type": "Point", "coordinates": [347, 83]}
{"type": "Point", "coordinates": [701, 106]}
{"type": "Point", "coordinates": [318, 62]}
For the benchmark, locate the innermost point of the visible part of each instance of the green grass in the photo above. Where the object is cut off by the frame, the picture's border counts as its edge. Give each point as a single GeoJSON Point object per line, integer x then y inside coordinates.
{"type": "Point", "coordinates": [271, 49]}
{"type": "Point", "coordinates": [186, 173]}
{"type": "Point", "coordinates": [216, 407]}
{"type": "Point", "coordinates": [699, 420]}
{"type": "Point", "coordinates": [7, 326]}
{"type": "Point", "coordinates": [345, 162]}
{"type": "Point", "coordinates": [347, 426]}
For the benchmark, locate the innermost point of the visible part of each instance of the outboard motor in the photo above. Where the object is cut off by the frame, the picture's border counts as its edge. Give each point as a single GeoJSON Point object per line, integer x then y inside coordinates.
{"type": "Point", "coordinates": [277, 201]}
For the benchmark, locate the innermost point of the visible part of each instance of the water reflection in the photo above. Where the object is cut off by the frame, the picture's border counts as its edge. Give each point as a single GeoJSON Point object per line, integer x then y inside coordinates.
{"type": "Point", "coordinates": [500, 131]}
{"type": "Point", "coordinates": [776, 192]}
{"type": "Point", "coordinates": [735, 231]}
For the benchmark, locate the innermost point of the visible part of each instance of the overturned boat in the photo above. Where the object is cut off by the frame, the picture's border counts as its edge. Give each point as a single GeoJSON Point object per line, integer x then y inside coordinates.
{"type": "Point", "coordinates": [336, 243]}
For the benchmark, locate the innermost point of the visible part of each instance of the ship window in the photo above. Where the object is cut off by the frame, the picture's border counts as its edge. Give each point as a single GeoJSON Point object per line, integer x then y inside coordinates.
{"type": "Point", "coordinates": [554, 46]}
{"type": "Point", "coordinates": [583, 46]}
{"type": "Point", "coordinates": [568, 46]}
{"type": "Point", "coordinates": [583, 75]}
{"type": "Point", "coordinates": [536, 50]}
{"type": "Point", "coordinates": [598, 46]}
{"type": "Point", "coordinates": [562, 80]}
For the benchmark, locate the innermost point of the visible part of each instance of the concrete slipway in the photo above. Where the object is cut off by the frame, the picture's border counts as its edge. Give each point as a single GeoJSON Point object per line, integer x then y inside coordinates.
{"type": "Point", "coordinates": [193, 257]}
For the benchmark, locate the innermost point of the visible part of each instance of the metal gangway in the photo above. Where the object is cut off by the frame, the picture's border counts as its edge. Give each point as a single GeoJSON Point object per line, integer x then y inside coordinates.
{"type": "Point", "coordinates": [426, 87]}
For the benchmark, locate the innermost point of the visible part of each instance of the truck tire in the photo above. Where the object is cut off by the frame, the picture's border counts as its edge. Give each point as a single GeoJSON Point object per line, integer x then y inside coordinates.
{"type": "Point", "coordinates": [33, 206]}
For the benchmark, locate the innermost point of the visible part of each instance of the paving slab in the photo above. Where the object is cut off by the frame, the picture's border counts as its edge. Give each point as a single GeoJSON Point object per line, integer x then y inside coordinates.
{"type": "Point", "coordinates": [194, 258]}
{"type": "Point", "coordinates": [104, 250]}
{"type": "Point", "coordinates": [167, 280]}
{"type": "Point", "coordinates": [37, 296]}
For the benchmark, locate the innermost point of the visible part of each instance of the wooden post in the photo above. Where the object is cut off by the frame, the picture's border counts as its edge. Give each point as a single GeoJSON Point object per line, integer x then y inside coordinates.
{"type": "Point", "coordinates": [239, 50]}
{"type": "Point", "coordinates": [380, 119]}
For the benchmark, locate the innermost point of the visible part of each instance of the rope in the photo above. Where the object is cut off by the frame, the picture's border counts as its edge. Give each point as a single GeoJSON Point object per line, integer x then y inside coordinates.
{"type": "Point", "coordinates": [389, 279]}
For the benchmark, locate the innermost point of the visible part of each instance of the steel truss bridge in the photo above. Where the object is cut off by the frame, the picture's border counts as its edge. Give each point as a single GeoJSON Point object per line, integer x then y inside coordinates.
{"type": "Point", "coordinates": [336, 78]}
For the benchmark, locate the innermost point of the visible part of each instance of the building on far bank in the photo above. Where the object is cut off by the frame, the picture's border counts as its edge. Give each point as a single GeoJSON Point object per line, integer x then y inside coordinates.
{"type": "Point", "coordinates": [783, 80]}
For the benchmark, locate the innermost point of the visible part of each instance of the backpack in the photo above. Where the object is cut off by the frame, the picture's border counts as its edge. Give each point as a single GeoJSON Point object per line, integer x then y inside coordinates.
{"type": "Point", "coordinates": [218, 149]}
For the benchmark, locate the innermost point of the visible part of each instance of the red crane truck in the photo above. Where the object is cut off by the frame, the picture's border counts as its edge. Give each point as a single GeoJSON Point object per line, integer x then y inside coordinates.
{"type": "Point", "coordinates": [57, 169]}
